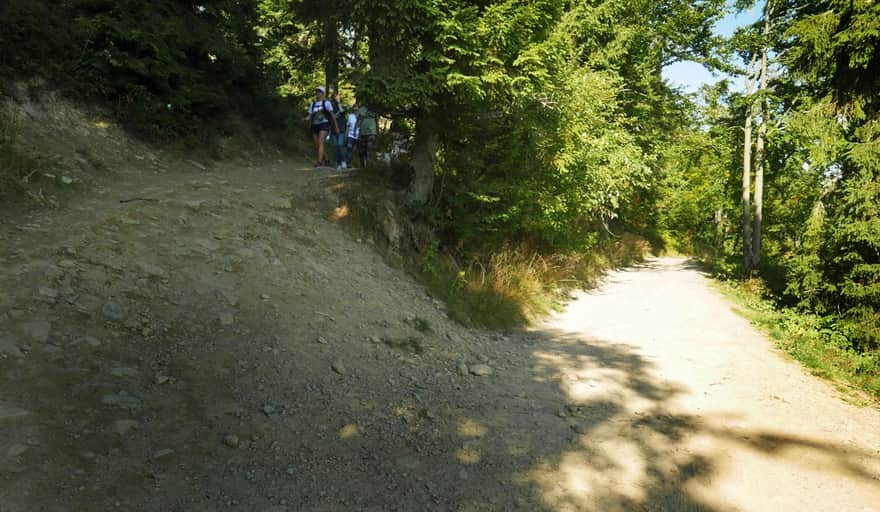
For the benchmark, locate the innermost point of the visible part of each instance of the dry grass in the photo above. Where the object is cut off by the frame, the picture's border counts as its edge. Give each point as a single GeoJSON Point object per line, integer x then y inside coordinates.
{"type": "Point", "coordinates": [513, 286]}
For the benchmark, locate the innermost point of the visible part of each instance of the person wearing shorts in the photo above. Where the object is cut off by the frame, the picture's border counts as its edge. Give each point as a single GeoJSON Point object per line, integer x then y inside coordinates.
{"type": "Point", "coordinates": [321, 117]}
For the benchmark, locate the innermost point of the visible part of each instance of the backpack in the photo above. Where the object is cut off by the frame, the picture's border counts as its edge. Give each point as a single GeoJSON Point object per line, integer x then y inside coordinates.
{"type": "Point", "coordinates": [324, 110]}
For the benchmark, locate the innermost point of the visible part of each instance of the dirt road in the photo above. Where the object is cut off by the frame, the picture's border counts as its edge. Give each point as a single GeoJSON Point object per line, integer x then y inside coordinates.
{"type": "Point", "coordinates": [703, 413]}
{"type": "Point", "coordinates": [216, 345]}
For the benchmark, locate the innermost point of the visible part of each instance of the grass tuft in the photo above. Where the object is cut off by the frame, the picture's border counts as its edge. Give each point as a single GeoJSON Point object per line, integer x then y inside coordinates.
{"type": "Point", "coordinates": [515, 285]}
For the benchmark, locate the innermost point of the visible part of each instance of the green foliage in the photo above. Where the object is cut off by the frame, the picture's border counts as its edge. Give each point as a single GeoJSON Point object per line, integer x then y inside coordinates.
{"type": "Point", "coordinates": [821, 233]}
{"type": "Point", "coordinates": [169, 69]}
{"type": "Point", "coordinates": [835, 51]}
{"type": "Point", "coordinates": [692, 207]}
{"type": "Point", "coordinates": [37, 39]}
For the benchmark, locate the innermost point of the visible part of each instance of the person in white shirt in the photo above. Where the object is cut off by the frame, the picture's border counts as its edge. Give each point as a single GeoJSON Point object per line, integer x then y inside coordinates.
{"type": "Point", "coordinates": [351, 132]}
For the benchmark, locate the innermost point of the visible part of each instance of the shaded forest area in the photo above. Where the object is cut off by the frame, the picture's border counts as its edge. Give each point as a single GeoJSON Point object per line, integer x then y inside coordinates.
{"type": "Point", "coordinates": [542, 131]}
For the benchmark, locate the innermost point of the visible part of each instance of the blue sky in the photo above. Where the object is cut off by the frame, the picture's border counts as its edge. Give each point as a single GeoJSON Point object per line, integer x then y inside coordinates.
{"type": "Point", "coordinates": [691, 75]}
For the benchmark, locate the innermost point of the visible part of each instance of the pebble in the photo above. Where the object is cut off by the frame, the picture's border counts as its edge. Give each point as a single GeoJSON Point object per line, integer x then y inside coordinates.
{"type": "Point", "coordinates": [226, 319]}
{"type": "Point", "coordinates": [8, 412]}
{"type": "Point", "coordinates": [38, 330]}
{"type": "Point", "coordinates": [16, 450]}
{"type": "Point", "coordinates": [10, 348]}
{"type": "Point", "coordinates": [123, 427]}
{"type": "Point", "coordinates": [66, 263]}
{"type": "Point", "coordinates": [231, 441]}
{"type": "Point", "coordinates": [322, 340]}
{"type": "Point", "coordinates": [481, 370]}
{"type": "Point", "coordinates": [161, 454]}
{"type": "Point", "coordinates": [153, 270]}
{"type": "Point", "coordinates": [162, 379]}
{"type": "Point", "coordinates": [90, 341]}
{"type": "Point", "coordinates": [338, 367]}
{"type": "Point", "coordinates": [580, 429]}
{"type": "Point", "coordinates": [113, 311]}
{"type": "Point", "coordinates": [123, 400]}
{"type": "Point", "coordinates": [48, 294]}
{"type": "Point", "coordinates": [268, 409]}
{"type": "Point", "coordinates": [462, 369]}
{"type": "Point", "coordinates": [124, 372]}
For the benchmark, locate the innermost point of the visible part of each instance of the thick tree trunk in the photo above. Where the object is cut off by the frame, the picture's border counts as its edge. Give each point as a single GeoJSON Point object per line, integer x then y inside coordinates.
{"type": "Point", "coordinates": [424, 158]}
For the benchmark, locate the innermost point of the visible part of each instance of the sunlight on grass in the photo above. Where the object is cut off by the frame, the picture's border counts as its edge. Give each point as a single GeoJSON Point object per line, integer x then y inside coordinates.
{"type": "Point", "coordinates": [514, 286]}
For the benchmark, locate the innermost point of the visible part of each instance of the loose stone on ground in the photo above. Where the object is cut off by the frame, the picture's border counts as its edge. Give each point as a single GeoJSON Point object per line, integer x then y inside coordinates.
{"type": "Point", "coordinates": [481, 370]}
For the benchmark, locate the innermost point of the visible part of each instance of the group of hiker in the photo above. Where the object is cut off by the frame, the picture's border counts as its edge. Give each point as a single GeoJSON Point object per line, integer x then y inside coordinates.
{"type": "Point", "coordinates": [353, 128]}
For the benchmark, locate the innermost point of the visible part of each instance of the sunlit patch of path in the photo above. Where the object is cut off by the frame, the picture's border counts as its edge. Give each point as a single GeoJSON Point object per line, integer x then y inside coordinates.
{"type": "Point", "coordinates": [679, 404]}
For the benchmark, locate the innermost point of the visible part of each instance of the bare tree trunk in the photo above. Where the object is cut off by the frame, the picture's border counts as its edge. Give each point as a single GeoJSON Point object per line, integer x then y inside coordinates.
{"type": "Point", "coordinates": [331, 60]}
{"type": "Point", "coordinates": [747, 172]}
{"type": "Point", "coordinates": [759, 151]}
{"type": "Point", "coordinates": [424, 158]}
{"type": "Point", "coordinates": [747, 191]}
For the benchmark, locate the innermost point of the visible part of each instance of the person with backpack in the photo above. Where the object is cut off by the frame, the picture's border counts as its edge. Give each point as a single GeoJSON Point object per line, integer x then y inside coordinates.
{"type": "Point", "coordinates": [368, 130]}
{"type": "Point", "coordinates": [321, 118]}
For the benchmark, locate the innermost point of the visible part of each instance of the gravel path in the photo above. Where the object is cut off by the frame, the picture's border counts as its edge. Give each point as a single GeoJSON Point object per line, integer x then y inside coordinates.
{"type": "Point", "coordinates": [705, 413]}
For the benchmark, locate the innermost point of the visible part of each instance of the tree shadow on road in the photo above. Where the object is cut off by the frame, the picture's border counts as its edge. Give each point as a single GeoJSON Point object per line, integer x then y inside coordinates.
{"type": "Point", "coordinates": [603, 435]}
